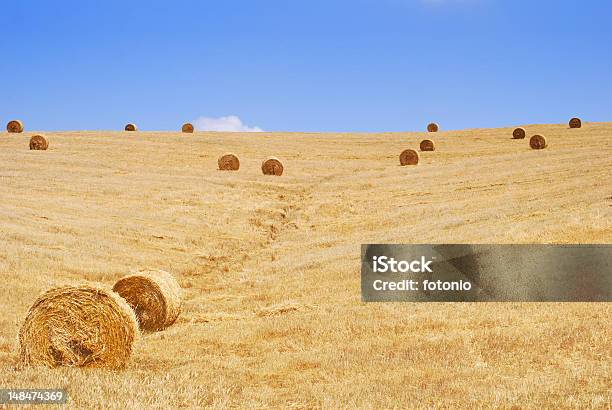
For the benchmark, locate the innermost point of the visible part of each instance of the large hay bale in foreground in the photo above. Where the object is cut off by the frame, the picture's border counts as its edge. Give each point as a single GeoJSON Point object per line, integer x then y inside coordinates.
{"type": "Point", "coordinates": [78, 326]}
{"type": "Point", "coordinates": [575, 123]}
{"type": "Point", "coordinates": [272, 166]}
{"type": "Point", "coordinates": [519, 133]}
{"type": "Point", "coordinates": [432, 127]}
{"type": "Point", "coordinates": [14, 126]}
{"type": "Point", "coordinates": [187, 127]}
{"type": "Point", "coordinates": [38, 142]}
{"type": "Point", "coordinates": [427, 145]}
{"type": "Point", "coordinates": [154, 295]}
{"type": "Point", "coordinates": [538, 142]}
{"type": "Point", "coordinates": [131, 127]}
{"type": "Point", "coordinates": [409, 157]}
{"type": "Point", "coordinates": [228, 162]}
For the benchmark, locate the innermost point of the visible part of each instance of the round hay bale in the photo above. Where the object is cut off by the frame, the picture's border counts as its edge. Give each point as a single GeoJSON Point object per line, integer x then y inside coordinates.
{"type": "Point", "coordinates": [78, 326]}
{"type": "Point", "coordinates": [131, 127]}
{"type": "Point", "coordinates": [575, 123]}
{"type": "Point", "coordinates": [432, 127]}
{"type": "Point", "coordinates": [187, 127]}
{"type": "Point", "coordinates": [228, 162]}
{"type": "Point", "coordinates": [14, 126]}
{"type": "Point", "coordinates": [154, 295]}
{"type": "Point", "coordinates": [519, 133]}
{"type": "Point", "coordinates": [409, 157]}
{"type": "Point", "coordinates": [272, 166]}
{"type": "Point", "coordinates": [538, 142]}
{"type": "Point", "coordinates": [38, 142]}
{"type": "Point", "coordinates": [427, 145]}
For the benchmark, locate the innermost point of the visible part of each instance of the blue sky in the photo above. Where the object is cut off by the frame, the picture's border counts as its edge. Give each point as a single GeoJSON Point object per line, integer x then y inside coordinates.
{"type": "Point", "coordinates": [304, 65]}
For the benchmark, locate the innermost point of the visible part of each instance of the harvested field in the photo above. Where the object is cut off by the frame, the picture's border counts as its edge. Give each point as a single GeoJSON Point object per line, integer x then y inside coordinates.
{"type": "Point", "coordinates": [269, 267]}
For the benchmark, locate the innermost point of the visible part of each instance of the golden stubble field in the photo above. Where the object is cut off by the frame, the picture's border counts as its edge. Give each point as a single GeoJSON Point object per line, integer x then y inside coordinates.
{"type": "Point", "coordinates": [270, 265]}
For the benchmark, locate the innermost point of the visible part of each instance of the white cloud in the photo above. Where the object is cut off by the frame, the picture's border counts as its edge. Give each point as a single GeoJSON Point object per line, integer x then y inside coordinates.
{"type": "Point", "coordinates": [231, 123]}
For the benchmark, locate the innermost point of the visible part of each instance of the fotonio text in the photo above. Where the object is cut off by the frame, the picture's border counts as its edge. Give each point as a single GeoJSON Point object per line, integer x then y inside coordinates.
{"type": "Point", "coordinates": [437, 285]}
{"type": "Point", "coordinates": [383, 264]}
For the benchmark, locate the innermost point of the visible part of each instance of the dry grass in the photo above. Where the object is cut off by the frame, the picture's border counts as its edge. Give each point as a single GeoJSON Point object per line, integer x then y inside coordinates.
{"type": "Point", "coordinates": [78, 326]}
{"type": "Point", "coordinates": [270, 266]}
{"type": "Point", "coordinates": [154, 295]}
